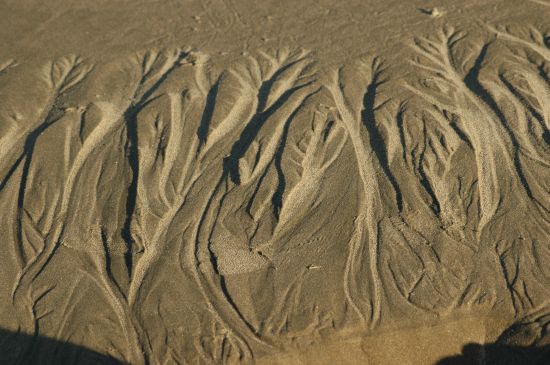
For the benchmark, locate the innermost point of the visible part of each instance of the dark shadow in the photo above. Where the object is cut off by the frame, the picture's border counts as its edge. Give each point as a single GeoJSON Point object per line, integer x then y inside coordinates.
{"type": "Point", "coordinates": [368, 116]}
{"type": "Point", "coordinates": [142, 97]}
{"type": "Point", "coordinates": [471, 80]}
{"type": "Point", "coordinates": [21, 349]}
{"type": "Point", "coordinates": [498, 354]}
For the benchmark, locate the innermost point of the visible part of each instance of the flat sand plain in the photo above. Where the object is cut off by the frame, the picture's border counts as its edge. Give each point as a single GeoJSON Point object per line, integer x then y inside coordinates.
{"type": "Point", "coordinates": [275, 182]}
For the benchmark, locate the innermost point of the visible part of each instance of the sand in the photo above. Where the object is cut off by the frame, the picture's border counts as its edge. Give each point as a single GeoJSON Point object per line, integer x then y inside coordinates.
{"type": "Point", "coordinates": [275, 182]}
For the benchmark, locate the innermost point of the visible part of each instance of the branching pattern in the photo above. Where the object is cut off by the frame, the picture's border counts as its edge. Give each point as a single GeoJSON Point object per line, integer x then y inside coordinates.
{"type": "Point", "coordinates": [185, 201]}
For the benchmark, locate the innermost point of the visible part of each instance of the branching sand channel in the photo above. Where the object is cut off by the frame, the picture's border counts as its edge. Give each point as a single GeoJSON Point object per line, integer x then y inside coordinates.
{"type": "Point", "coordinates": [184, 213]}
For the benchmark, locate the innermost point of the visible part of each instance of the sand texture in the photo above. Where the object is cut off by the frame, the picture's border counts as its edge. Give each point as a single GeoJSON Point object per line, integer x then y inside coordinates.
{"type": "Point", "coordinates": [275, 182]}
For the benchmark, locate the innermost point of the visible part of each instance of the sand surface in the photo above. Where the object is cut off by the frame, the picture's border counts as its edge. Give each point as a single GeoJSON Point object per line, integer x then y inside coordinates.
{"type": "Point", "coordinates": [275, 182]}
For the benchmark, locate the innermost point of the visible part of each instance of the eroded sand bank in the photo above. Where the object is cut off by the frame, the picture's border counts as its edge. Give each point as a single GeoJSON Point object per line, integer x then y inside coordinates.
{"type": "Point", "coordinates": [268, 182]}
